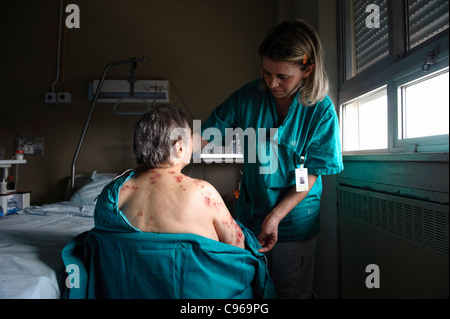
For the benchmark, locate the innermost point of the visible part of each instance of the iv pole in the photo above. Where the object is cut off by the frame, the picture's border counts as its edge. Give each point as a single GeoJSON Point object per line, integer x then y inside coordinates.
{"type": "Point", "coordinates": [133, 63]}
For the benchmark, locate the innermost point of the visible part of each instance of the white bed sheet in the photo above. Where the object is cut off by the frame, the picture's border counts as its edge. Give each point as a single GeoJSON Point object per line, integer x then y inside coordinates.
{"type": "Point", "coordinates": [30, 248]}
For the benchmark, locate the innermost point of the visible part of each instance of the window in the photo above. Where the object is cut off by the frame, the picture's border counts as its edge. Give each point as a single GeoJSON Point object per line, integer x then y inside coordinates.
{"type": "Point", "coordinates": [424, 107]}
{"type": "Point", "coordinates": [366, 122]}
{"type": "Point", "coordinates": [394, 78]}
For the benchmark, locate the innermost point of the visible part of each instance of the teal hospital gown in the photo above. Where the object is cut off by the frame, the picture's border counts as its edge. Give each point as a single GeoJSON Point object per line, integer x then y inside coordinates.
{"type": "Point", "coordinates": [117, 260]}
{"type": "Point", "coordinates": [273, 150]}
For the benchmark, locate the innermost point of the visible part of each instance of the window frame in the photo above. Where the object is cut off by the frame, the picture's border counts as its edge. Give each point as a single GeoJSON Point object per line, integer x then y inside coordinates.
{"type": "Point", "coordinates": [401, 66]}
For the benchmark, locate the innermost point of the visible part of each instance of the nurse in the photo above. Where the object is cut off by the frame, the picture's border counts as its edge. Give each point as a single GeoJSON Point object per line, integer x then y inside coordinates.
{"type": "Point", "coordinates": [291, 106]}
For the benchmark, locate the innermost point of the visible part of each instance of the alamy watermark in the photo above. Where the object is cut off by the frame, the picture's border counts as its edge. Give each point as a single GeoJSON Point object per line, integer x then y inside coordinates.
{"type": "Point", "coordinates": [267, 140]}
{"type": "Point", "coordinates": [373, 19]}
{"type": "Point", "coordinates": [373, 280]}
{"type": "Point", "coordinates": [73, 276]}
{"type": "Point", "coordinates": [73, 18]}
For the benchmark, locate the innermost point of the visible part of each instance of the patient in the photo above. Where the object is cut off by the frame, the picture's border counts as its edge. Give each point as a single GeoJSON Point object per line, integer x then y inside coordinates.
{"type": "Point", "coordinates": [158, 197]}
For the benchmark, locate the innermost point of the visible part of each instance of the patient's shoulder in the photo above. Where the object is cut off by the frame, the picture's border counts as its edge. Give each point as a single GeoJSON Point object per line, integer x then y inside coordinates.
{"type": "Point", "coordinates": [204, 188]}
{"type": "Point", "coordinates": [206, 196]}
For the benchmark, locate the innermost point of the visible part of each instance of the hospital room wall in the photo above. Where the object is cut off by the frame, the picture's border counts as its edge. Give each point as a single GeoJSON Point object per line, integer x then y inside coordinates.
{"type": "Point", "coordinates": [326, 278]}
{"type": "Point", "coordinates": [206, 49]}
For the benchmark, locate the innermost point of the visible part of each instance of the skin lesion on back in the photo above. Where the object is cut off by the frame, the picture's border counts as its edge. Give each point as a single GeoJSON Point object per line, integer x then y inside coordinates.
{"type": "Point", "coordinates": [237, 237]}
{"type": "Point", "coordinates": [227, 229]}
{"type": "Point", "coordinates": [200, 194]}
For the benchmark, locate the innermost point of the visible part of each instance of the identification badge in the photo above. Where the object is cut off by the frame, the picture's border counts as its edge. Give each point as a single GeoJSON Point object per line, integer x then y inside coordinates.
{"type": "Point", "coordinates": [301, 178]}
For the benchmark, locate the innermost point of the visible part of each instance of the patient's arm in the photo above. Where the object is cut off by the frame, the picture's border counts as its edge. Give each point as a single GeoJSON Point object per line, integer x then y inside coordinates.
{"type": "Point", "coordinates": [227, 229]}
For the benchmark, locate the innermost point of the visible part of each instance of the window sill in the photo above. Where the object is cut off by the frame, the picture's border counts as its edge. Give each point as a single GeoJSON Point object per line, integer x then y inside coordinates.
{"type": "Point", "coordinates": [398, 157]}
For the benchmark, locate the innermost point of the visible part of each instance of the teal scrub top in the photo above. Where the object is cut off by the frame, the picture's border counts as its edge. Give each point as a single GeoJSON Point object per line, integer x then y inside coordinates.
{"type": "Point", "coordinates": [271, 158]}
{"type": "Point", "coordinates": [117, 260]}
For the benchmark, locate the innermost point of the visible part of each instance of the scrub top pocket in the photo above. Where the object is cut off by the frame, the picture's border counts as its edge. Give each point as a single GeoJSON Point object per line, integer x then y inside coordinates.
{"type": "Point", "coordinates": [286, 162]}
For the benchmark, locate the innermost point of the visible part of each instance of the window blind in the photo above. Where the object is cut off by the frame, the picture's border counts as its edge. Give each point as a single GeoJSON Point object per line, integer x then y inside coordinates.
{"type": "Point", "coordinates": [426, 18]}
{"type": "Point", "coordinates": [371, 42]}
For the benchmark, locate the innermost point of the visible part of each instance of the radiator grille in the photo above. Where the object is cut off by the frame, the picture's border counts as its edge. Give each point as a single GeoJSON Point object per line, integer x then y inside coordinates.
{"type": "Point", "coordinates": [420, 221]}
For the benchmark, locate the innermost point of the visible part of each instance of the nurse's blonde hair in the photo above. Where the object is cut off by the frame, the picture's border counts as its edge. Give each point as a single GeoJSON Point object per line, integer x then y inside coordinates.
{"type": "Point", "coordinates": [298, 43]}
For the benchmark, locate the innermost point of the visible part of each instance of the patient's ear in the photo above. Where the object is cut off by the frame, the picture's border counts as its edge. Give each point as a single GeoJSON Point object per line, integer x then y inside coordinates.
{"type": "Point", "coordinates": [176, 151]}
{"type": "Point", "coordinates": [177, 135]}
{"type": "Point", "coordinates": [179, 148]}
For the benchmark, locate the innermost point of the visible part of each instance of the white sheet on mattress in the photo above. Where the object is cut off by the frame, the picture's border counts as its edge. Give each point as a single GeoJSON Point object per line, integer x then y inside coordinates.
{"type": "Point", "coordinates": [31, 244]}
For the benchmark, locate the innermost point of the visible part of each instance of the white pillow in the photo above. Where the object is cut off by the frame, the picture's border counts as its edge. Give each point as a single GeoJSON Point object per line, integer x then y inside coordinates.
{"type": "Point", "coordinates": [89, 192]}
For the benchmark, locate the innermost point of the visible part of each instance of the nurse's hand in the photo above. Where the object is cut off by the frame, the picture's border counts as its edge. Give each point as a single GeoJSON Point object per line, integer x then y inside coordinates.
{"type": "Point", "coordinates": [269, 233]}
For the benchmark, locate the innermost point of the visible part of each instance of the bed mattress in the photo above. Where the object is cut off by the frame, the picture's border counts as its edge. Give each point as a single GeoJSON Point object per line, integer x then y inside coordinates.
{"type": "Point", "coordinates": [31, 265]}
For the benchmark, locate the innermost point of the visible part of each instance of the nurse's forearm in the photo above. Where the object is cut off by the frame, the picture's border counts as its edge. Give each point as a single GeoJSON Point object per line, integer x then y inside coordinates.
{"type": "Point", "coordinates": [269, 229]}
{"type": "Point", "coordinates": [291, 200]}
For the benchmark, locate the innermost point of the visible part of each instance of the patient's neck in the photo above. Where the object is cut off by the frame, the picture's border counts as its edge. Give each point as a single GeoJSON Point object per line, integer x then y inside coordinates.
{"type": "Point", "coordinates": [175, 167]}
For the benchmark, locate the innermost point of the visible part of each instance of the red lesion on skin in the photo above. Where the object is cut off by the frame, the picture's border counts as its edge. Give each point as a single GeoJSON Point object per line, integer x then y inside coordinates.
{"type": "Point", "coordinates": [141, 214]}
{"type": "Point", "coordinates": [172, 172]}
{"type": "Point", "coordinates": [179, 178]}
{"type": "Point", "coordinates": [218, 206]}
{"type": "Point", "coordinates": [129, 188]}
{"type": "Point", "coordinates": [239, 233]}
{"type": "Point", "coordinates": [156, 175]}
{"type": "Point", "coordinates": [207, 198]}
{"type": "Point", "coordinates": [236, 234]}
{"type": "Point", "coordinates": [228, 222]}
{"type": "Point", "coordinates": [198, 182]}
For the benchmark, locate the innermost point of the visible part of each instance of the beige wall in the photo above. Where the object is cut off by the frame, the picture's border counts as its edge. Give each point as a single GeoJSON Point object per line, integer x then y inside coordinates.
{"type": "Point", "coordinates": [205, 48]}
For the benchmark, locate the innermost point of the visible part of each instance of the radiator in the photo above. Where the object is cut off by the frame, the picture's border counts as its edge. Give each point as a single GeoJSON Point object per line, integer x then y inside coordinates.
{"type": "Point", "coordinates": [406, 238]}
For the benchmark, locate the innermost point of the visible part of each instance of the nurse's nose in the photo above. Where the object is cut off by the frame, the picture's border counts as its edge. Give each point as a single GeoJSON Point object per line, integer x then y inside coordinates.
{"type": "Point", "coordinates": [272, 83]}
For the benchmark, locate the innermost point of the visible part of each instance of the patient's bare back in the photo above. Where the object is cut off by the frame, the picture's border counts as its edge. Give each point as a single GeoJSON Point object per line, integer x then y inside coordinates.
{"type": "Point", "coordinates": [166, 201]}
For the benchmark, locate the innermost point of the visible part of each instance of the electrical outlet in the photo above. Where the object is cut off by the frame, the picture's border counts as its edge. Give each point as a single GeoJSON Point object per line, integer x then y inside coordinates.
{"type": "Point", "coordinates": [51, 97]}
{"type": "Point", "coordinates": [30, 145]}
{"type": "Point", "coordinates": [64, 97]}
{"type": "Point", "coordinates": [61, 97]}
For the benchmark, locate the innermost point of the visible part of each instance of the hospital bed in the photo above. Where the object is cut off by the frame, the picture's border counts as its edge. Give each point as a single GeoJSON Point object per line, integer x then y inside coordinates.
{"type": "Point", "coordinates": [31, 241]}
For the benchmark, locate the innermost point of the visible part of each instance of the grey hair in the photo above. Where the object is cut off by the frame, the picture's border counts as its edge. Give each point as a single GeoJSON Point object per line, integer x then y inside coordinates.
{"type": "Point", "coordinates": [153, 135]}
